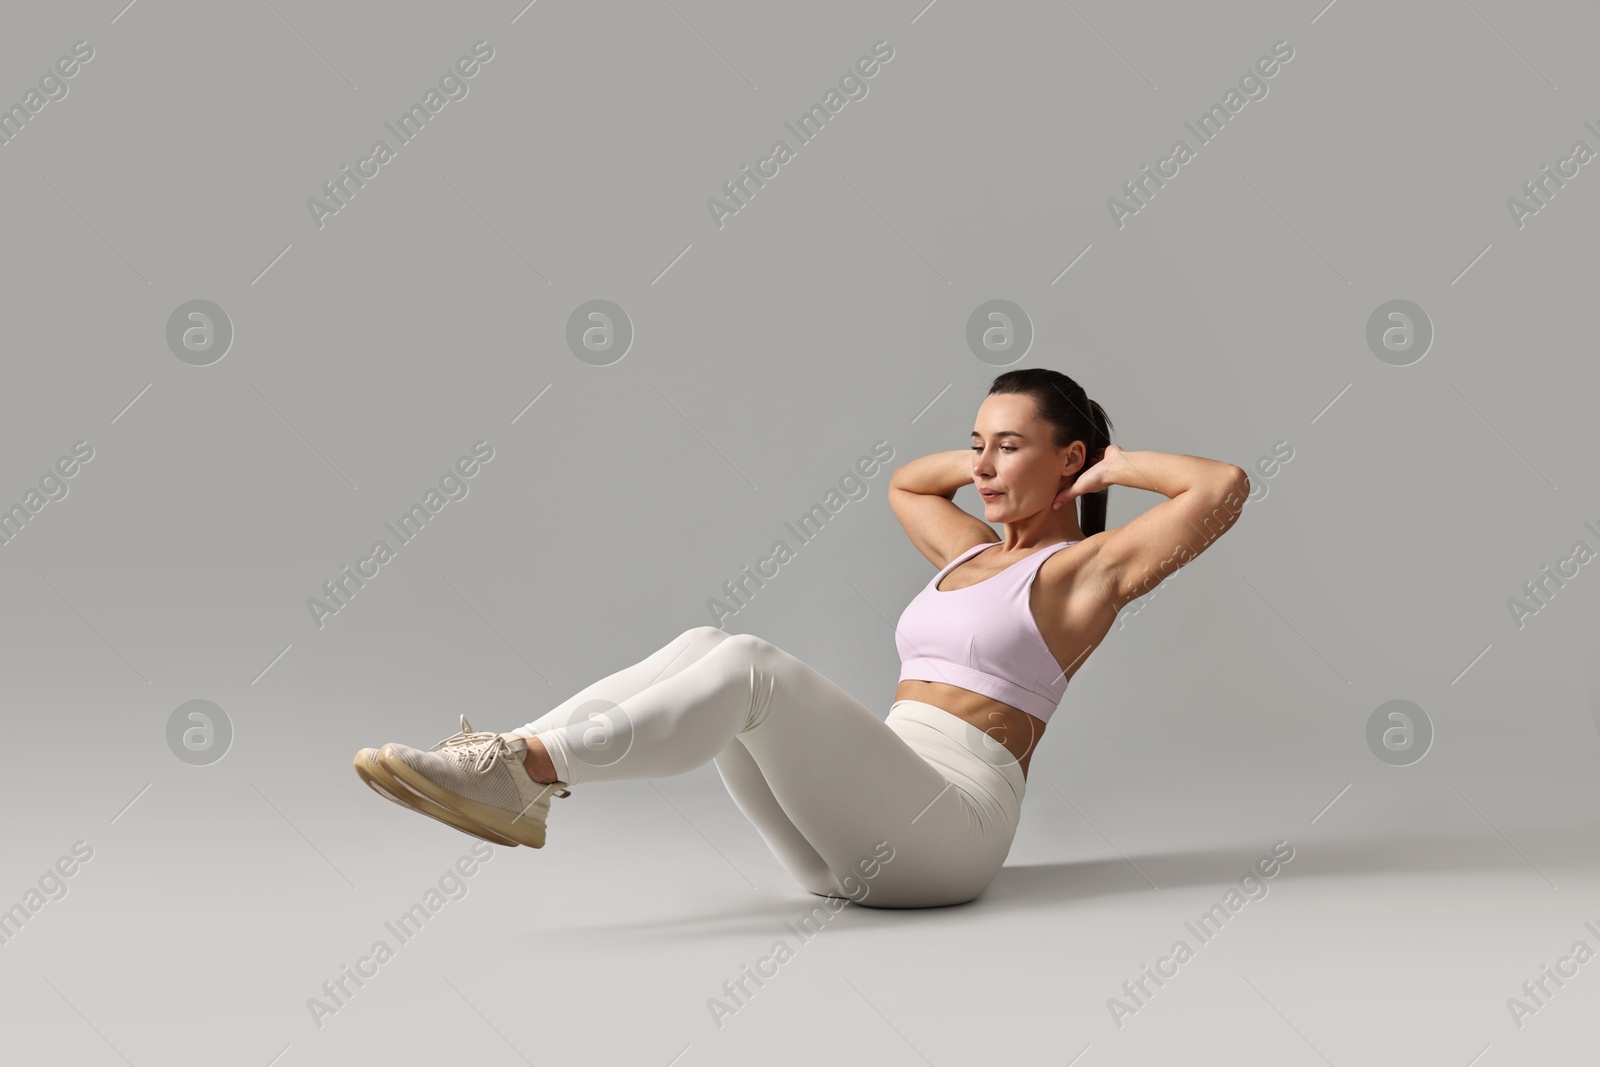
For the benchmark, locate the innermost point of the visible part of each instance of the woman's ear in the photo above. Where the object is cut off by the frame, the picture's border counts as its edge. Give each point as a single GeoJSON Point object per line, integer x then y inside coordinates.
{"type": "Point", "coordinates": [1076, 452]}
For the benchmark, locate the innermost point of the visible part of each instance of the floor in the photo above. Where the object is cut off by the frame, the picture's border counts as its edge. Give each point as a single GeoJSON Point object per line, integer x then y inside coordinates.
{"type": "Point", "coordinates": [654, 928]}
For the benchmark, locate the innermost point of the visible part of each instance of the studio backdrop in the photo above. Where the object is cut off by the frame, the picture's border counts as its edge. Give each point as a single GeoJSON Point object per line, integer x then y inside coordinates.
{"type": "Point", "coordinates": [371, 365]}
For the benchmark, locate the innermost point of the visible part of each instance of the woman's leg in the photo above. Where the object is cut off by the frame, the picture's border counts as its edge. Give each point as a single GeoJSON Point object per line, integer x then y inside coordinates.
{"type": "Point", "coordinates": [754, 796]}
{"type": "Point", "coordinates": [889, 826]}
{"type": "Point", "coordinates": [666, 661]}
{"type": "Point", "coordinates": [738, 769]}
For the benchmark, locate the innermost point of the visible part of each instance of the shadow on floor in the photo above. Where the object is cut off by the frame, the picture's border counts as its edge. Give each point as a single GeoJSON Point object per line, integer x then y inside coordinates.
{"type": "Point", "coordinates": [1534, 852]}
{"type": "Point", "coordinates": [1058, 885]}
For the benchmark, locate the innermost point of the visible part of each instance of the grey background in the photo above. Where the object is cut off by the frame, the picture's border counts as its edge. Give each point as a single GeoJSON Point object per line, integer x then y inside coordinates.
{"type": "Point", "coordinates": [1227, 712]}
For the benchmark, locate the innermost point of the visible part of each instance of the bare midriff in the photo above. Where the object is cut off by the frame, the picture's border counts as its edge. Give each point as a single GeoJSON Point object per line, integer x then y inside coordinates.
{"type": "Point", "coordinates": [1076, 618]}
{"type": "Point", "coordinates": [1018, 731]}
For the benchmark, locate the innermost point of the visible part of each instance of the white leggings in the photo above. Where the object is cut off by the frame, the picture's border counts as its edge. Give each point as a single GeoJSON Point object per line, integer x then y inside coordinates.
{"type": "Point", "coordinates": [913, 811]}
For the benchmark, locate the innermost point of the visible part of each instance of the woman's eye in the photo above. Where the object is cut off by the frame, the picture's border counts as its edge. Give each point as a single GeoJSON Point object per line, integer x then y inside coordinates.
{"type": "Point", "coordinates": [1003, 448]}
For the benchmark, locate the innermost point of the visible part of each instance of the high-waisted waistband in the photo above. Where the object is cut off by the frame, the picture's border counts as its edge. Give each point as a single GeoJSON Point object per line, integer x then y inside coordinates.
{"type": "Point", "coordinates": [962, 751]}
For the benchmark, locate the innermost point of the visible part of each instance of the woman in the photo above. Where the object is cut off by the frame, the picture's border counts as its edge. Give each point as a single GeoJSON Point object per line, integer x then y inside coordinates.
{"type": "Point", "coordinates": [918, 809]}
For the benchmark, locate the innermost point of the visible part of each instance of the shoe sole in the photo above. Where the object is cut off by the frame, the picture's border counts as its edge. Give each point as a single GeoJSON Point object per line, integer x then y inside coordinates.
{"type": "Point", "coordinates": [375, 773]}
{"type": "Point", "coordinates": [525, 830]}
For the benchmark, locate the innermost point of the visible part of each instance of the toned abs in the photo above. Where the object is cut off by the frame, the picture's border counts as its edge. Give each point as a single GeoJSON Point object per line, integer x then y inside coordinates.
{"type": "Point", "coordinates": [1072, 619]}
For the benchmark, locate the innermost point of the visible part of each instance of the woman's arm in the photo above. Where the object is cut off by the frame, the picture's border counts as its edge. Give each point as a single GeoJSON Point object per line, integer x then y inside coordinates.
{"type": "Point", "coordinates": [1167, 473]}
{"type": "Point", "coordinates": [922, 492]}
{"type": "Point", "coordinates": [1206, 497]}
{"type": "Point", "coordinates": [937, 474]}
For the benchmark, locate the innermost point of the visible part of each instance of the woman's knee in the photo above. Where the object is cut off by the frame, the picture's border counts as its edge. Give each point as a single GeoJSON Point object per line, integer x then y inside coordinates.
{"type": "Point", "coordinates": [747, 646]}
{"type": "Point", "coordinates": [695, 643]}
{"type": "Point", "coordinates": [698, 640]}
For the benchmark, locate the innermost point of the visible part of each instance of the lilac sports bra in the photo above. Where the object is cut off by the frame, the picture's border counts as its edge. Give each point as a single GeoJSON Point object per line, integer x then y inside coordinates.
{"type": "Point", "coordinates": [983, 637]}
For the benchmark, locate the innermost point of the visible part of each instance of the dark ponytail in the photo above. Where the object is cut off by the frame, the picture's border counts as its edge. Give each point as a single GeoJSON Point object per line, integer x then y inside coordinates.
{"type": "Point", "coordinates": [1066, 406]}
{"type": "Point", "coordinates": [1092, 506]}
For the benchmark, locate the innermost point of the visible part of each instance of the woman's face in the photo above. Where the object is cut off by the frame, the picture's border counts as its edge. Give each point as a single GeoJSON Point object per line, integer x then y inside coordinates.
{"type": "Point", "coordinates": [1015, 457]}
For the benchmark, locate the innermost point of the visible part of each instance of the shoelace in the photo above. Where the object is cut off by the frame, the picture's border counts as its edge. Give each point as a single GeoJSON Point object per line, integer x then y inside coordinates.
{"type": "Point", "coordinates": [481, 747]}
{"type": "Point", "coordinates": [465, 745]}
{"type": "Point", "coordinates": [462, 735]}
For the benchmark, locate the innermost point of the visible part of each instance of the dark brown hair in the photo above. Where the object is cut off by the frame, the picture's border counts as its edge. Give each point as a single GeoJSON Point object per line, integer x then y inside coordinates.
{"type": "Point", "coordinates": [1065, 405]}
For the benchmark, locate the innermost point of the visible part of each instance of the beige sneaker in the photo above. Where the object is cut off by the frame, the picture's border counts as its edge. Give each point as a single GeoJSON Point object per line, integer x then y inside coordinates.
{"type": "Point", "coordinates": [375, 774]}
{"type": "Point", "coordinates": [478, 775]}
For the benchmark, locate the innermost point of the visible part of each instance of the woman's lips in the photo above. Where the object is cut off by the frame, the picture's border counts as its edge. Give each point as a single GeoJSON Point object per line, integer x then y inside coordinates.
{"type": "Point", "coordinates": [988, 495]}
